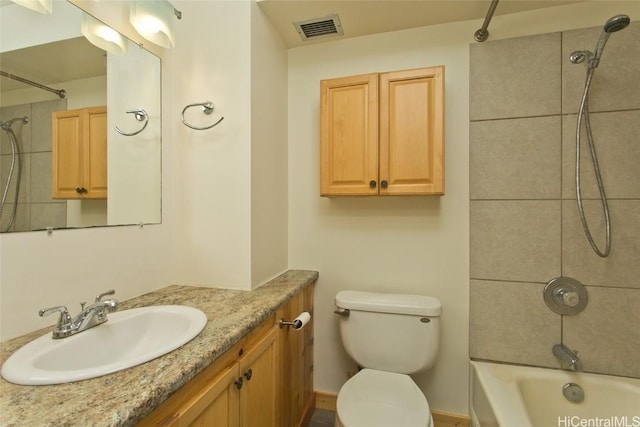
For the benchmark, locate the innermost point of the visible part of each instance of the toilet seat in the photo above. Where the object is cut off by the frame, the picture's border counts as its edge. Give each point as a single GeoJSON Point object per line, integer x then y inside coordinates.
{"type": "Point", "coordinates": [381, 399]}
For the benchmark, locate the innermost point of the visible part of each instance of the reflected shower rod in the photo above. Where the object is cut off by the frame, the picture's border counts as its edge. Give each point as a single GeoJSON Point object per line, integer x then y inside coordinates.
{"type": "Point", "coordinates": [60, 92]}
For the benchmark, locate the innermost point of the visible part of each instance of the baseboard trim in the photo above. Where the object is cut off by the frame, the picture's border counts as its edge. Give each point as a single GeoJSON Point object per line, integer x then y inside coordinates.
{"type": "Point", "coordinates": [444, 419]}
{"type": "Point", "coordinates": [327, 401]}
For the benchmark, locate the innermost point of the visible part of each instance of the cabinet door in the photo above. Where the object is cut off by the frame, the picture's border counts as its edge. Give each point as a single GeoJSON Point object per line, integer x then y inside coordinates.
{"type": "Point", "coordinates": [259, 370]}
{"type": "Point", "coordinates": [95, 158]}
{"type": "Point", "coordinates": [296, 363]}
{"type": "Point", "coordinates": [217, 405]}
{"type": "Point", "coordinates": [308, 397]}
{"type": "Point", "coordinates": [205, 401]}
{"type": "Point", "coordinates": [292, 364]}
{"type": "Point", "coordinates": [349, 136]}
{"type": "Point", "coordinates": [67, 153]}
{"type": "Point", "coordinates": [412, 132]}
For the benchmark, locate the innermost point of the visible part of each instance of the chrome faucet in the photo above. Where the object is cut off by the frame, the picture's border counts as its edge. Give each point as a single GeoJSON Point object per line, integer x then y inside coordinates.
{"type": "Point", "coordinates": [564, 354]}
{"type": "Point", "coordinates": [89, 317]}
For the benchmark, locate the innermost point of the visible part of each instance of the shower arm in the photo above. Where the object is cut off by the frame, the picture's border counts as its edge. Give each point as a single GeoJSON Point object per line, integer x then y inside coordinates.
{"type": "Point", "coordinates": [483, 34]}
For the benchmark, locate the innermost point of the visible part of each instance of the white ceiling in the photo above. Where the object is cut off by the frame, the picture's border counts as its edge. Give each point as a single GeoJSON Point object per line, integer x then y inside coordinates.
{"type": "Point", "coordinates": [61, 62]}
{"type": "Point", "coordinates": [52, 63]}
{"type": "Point", "coordinates": [362, 17]}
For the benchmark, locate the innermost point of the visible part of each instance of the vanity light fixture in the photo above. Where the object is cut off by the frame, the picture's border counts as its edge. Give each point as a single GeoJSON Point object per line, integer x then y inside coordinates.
{"type": "Point", "coordinates": [153, 20]}
{"type": "Point", "coordinates": [102, 35]}
{"type": "Point", "coordinates": [42, 6]}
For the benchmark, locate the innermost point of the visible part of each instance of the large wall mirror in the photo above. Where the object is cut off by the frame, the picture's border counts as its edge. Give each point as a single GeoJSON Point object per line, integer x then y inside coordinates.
{"type": "Point", "coordinates": [91, 155]}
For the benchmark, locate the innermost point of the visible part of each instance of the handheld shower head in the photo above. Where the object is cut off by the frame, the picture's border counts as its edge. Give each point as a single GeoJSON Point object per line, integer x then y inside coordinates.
{"type": "Point", "coordinates": [614, 24]}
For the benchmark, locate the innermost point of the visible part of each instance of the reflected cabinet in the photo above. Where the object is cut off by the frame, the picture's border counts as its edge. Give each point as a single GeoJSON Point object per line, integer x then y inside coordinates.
{"type": "Point", "coordinates": [383, 134]}
{"type": "Point", "coordinates": [79, 154]}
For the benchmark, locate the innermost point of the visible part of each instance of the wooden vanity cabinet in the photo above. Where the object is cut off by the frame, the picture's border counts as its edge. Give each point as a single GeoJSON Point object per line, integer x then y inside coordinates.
{"type": "Point", "coordinates": [79, 154]}
{"type": "Point", "coordinates": [297, 399]}
{"type": "Point", "coordinates": [238, 389]}
{"type": "Point", "coordinates": [383, 134]}
{"type": "Point", "coordinates": [264, 380]}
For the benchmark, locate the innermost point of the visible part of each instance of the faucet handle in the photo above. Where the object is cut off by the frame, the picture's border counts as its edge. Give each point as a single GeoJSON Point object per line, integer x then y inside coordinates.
{"type": "Point", "coordinates": [104, 294]}
{"type": "Point", "coordinates": [63, 320]}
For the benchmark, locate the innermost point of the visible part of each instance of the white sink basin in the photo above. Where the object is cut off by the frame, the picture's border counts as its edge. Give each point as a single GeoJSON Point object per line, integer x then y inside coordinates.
{"type": "Point", "coordinates": [127, 339]}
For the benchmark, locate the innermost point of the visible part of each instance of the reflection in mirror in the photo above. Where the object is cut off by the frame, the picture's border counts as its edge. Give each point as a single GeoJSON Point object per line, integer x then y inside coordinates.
{"type": "Point", "coordinates": [62, 162]}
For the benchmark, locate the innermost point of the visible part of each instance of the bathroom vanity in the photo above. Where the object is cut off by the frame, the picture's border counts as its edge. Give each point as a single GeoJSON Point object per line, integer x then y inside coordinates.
{"type": "Point", "coordinates": [243, 367]}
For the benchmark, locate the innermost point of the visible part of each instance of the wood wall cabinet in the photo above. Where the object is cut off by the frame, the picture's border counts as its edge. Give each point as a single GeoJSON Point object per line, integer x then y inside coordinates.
{"type": "Point", "coordinates": [383, 133]}
{"type": "Point", "coordinates": [79, 154]}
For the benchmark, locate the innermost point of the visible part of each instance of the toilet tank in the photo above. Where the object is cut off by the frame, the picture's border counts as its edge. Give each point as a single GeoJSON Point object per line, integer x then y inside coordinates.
{"type": "Point", "coordinates": [390, 332]}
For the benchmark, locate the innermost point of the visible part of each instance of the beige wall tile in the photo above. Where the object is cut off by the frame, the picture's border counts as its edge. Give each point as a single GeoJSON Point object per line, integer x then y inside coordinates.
{"type": "Point", "coordinates": [22, 217]}
{"type": "Point", "coordinates": [22, 131]}
{"type": "Point", "coordinates": [41, 177]}
{"type": "Point", "coordinates": [510, 322]}
{"type": "Point", "coordinates": [515, 158]}
{"type": "Point", "coordinates": [45, 215]}
{"type": "Point", "coordinates": [616, 136]}
{"type": "Point", "coordinates": [615, 84]}
{"type": "Point", "coordinates": [515, 240]}
{"type": "Point", "coordinates": [41, 123]}
{"type": "Point", "coordinates": [535, 240]}
{"type": "Point", "coordinates": [25, 181]}
{"type": "Point", "coordinates": [517, 77]}
{"type": "Point", "coordinates": [607, 333]}
{"type": "Point", "coordinates": [621, 268]}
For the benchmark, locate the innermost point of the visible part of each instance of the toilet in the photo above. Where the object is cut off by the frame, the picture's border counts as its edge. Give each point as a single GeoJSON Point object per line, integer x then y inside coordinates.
{"type": "Point", "coordinates": [390, 336]}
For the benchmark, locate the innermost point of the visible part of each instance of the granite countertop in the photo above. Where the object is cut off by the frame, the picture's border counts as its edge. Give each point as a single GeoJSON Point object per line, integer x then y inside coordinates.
{"type": "Point", "coordinates": [124, 398]}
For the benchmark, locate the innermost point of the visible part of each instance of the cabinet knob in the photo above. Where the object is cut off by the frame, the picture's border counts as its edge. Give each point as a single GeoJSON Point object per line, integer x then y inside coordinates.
{"type": "Point", "coordinates": [384, 184]}
{"type": "Point", "coordinates": [81, 190]}
{"type": "Point", "coordinates": [248, 374]}
{"type": "Point", "coordinates": [372, 184]}
{"type": "Point", "coordinates": [238, 383]}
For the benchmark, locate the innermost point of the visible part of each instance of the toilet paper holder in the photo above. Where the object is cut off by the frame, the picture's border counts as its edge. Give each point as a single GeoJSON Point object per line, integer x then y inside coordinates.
{"type": "Point", "coordinates": [297, 323]}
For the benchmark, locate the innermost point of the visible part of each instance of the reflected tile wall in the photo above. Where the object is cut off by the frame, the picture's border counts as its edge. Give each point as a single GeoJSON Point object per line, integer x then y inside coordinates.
{"type": "Point", "coordinates": [524, 223]}
{"type": "Point", "coordinates": [36, 209]}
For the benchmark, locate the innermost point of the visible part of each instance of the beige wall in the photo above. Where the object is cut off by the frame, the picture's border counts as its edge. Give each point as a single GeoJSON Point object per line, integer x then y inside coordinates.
{"type": "Point", "coordinates": [525, 227]}
{"type": "Point", "coordinates": [417, 245]}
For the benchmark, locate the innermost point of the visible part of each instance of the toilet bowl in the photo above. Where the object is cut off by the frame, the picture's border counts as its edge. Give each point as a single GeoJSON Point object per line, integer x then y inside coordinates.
{"type": "Point", "coordinates": [381, 399]}
{"type": "Point", "coordinates": [390, 336]}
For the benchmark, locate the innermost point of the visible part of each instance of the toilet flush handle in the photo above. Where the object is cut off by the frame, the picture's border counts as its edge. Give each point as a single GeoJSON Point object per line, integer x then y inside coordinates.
{"type": "Point", "coordinates": [342, 312]}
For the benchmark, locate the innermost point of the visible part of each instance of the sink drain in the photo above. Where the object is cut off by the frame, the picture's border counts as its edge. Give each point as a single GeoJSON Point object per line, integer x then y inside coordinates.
{"type": "Point", "coordinates": [573, 392]}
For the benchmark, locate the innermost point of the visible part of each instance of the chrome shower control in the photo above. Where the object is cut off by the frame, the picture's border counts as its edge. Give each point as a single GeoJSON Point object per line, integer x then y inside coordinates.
{"type": "Point", "coordinates": [565, 296]}
{"type": "Point", "coordinates": [568, 298]}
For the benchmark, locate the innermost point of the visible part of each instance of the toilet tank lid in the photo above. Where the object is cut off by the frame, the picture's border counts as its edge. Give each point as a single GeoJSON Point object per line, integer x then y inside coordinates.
{"type": "Point", "coordinates": [418, 305]}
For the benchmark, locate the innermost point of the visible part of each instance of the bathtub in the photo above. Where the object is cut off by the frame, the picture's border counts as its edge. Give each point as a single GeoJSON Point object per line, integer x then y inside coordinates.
{"type": "Point", "coordinates": [523, 396]}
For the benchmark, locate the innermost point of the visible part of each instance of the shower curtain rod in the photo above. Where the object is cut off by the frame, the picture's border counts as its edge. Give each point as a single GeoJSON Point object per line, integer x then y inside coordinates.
{"type": "Point", "coordinates": [482, 34]}
{"type": "Point", "coordinates": [61, 92]}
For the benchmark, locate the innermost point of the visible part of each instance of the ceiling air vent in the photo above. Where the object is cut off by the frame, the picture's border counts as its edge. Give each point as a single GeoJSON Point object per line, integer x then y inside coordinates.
{"type": "Point", "coordinates": [312, 29]}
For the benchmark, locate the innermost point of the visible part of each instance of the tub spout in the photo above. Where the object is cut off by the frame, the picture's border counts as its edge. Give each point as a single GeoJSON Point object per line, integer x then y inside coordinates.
{"type": "Point", "coordinates": [564, 354]}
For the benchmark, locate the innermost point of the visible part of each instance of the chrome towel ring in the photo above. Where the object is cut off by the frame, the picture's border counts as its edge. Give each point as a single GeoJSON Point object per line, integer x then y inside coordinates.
{"type": "Point", "coordinates": [140, 116]}
{"type": "Point", "coordinates": [207, 108]}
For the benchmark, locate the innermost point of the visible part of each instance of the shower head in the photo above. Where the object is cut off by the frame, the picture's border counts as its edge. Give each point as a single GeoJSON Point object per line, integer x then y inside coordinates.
{"type": "Point", "coordinates": [7, 125]}
{"type": "Point", "coordinates": [614, 24]}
